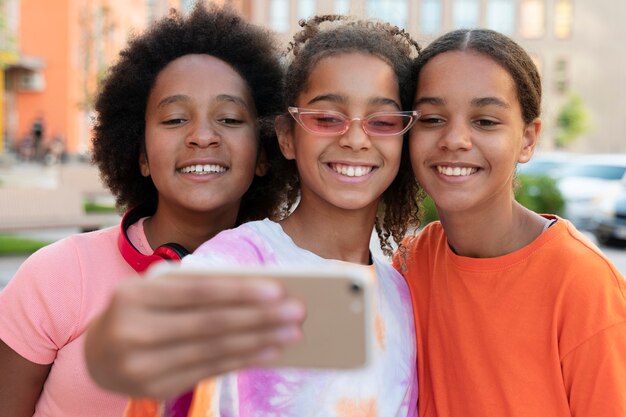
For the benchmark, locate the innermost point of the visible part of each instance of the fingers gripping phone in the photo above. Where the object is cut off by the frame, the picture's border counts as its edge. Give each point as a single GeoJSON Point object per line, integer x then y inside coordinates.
{"type": "Point", "coordinates": [338, 329]}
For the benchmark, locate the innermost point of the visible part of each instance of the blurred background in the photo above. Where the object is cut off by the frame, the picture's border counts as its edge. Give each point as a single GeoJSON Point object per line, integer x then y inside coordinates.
{"type": "Point", "coordinates": [53, 54]}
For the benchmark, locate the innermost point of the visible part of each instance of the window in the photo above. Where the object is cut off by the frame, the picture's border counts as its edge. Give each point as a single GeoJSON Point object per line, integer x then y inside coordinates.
{"type": "Point", "coordinates": [186, 5]}
{"type": "Point", "coordinates": [501, 16]}
{"type": "Point", "coordinates": [306, 9]}
{"type": "Point", "coordinates": [342, 6]}
{"type": "Point", "coordinates": [563, 19]}
{"type": "Point", "coordinates": [465, 14]}
{"type": "Point", "coordinates": [532, 18]}
{"type": "Point", "coordinates": [279, 15]}
{"type": "Point", "coordinates": [430, 17]}
{"type": "Point", "coordinates": [392, 11]}
{"type": "Point", "coordinates": [560, 76]}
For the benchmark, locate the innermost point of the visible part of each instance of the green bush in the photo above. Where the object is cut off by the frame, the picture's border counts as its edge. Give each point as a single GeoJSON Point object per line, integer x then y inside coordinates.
{"type": "Point", "coordinates": [15, 245]}
{"type": "Point", "coordinates": [538, 193]}
{"type": "Point", "coordinates": [429, 211]}
{"type": "Point", "coordinates": [93, 207]}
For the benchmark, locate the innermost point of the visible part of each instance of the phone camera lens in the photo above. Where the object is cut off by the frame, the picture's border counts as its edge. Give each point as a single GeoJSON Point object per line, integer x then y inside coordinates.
{"type": "Point", "coordinates": [355, 288]}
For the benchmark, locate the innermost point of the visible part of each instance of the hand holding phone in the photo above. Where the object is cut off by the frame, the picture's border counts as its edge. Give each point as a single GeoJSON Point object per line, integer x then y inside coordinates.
{"type": "Point", "coordinates": [338, 328]}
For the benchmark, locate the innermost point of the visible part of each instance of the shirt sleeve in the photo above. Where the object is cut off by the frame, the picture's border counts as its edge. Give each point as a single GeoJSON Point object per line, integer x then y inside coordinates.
{"type": "Point", "coordinates": [41, 305]}
{"type": "Point", "coordinates": [595, 374]}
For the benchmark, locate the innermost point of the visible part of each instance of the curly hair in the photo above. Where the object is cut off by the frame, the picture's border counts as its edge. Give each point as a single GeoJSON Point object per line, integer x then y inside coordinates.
{"type": "Point", "coordinates": [399, 210]}
{"type": "Point", "coordinates": [119, 134]}
{"type": "Point", "coordinates": [502, 50]}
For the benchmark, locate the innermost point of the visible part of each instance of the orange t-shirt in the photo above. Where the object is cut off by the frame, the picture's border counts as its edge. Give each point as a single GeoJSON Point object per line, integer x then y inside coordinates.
{"type": "Point", "coordinates": [538, 332]}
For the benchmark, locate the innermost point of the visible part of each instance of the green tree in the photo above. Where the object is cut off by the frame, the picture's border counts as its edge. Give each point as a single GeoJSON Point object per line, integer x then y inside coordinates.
{"type": "Point", "coordinates": [571, 121]}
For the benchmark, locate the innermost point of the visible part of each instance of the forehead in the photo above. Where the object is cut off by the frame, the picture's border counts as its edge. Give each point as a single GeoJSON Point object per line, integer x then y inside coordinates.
{"type": "Point", "coordinates": [200, 76]}
{"type": "Point", "coordinates": [354, 74]}
{"type": "Point", "coordinates": [465, 73]}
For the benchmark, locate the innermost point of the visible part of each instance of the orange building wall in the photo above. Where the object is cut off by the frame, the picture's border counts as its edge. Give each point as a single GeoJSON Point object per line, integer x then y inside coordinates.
{"type": "Point", "coordinates": [76, 40]}
{"type": "Point", "coordinates": [44, 34]}
{"type": "Point", "coordinates": [60, 33]}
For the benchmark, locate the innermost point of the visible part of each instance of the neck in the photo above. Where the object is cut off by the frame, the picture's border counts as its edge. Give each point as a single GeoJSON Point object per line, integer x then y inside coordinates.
{"type": "Point", "coordinates": [333, 234]}
{"type": "Point", "coordinates": [492, 233]}
{"type": "Point", "coordinates": [186, 228]}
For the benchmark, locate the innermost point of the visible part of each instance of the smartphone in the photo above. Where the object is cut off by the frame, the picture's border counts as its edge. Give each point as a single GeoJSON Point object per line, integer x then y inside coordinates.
{"type": "Point", "coordinates": [339, 327]}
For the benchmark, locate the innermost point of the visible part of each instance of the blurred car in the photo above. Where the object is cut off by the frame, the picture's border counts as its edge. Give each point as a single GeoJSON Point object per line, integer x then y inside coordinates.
{"type": "Point", "coordinates": [587, 182]}
{"type": "Point", "coordinates": [609, 222]}
{"type": "Point", "coordinates": [545, 164]}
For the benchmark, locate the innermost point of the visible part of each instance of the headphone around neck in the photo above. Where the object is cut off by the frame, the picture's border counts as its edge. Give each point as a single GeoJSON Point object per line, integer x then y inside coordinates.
{"type": "Point", "coordinates": [137, 260]}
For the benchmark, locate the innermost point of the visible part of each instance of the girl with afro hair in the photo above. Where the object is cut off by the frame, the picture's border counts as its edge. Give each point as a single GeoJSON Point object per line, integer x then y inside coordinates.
{"type": "Point", "coordinates": [183, 143]}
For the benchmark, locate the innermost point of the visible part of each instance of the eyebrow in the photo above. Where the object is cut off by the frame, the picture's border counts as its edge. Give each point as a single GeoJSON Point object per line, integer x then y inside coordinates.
{"type": "Point", "coordinates": [477, 102]}
{"type": "Point", "coordinates": [435, 101]}
{"type": "Point", "coordinates": [184, 98]}
{"type": "Point", "coordinates": [490, 101]}
{"type": "Point", "coordinates": [337, 98]}
{"type": "Point", "coordinates": [233, 99]}
{"type": "Point", "coordinates": [172, 99]}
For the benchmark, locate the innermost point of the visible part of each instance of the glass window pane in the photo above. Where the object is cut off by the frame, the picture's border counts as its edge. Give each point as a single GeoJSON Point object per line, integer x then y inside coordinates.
{"type": "Point", "coordinates": [561, 82]}
{"type": "Point", "coordinates": [465, 14]}
{"type": "Point", "coordinates": [392, 11]}
{"type": "Point", "coordinates": [279, 15]}
{"type": "Point", "coordinates": [563, 19]}
{"type": "Point", "coordinates": [501, 16]}
{"type": "Point", "coordinates": [430, 17]}
{"type": "Point", "coordinates": [306, 9]}
{"type": "Point", "coordinates": [186, 5]}
{"type": "Point", "coordinates": [342, 6]}
{"type": "Point", "coordinates": [532, 18]}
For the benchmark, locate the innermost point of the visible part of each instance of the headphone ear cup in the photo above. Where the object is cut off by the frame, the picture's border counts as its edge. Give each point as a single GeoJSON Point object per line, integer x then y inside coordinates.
{"type": "Point", "coordinates": [171, 251]}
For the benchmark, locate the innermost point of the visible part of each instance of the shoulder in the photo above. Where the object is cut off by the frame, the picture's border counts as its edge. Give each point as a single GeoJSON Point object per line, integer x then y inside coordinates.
{"type": "Point", "coordinates": [244, 244]}
{"type": "Point", "coordinates": [417, 247]}
{"type": "Point", "coordinates": [590, 293]}
{"type": "Point", "coordinates": [74, 250]}
{"type": "Point", "coordinates": [576, 256]}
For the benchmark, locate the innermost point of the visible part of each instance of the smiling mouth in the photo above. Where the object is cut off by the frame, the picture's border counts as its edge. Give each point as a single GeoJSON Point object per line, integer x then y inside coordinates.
{"type": "Point", "coordinates": [351, 170]}
{"type": "Point", "coordinates": [456, 171]}
{"type": "Point", "coordinates": [202, 169]}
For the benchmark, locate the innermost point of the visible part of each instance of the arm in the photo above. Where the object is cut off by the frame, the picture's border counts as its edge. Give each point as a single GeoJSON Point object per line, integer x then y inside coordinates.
{"type": "Point", "coordinates": [159, 337]}
{"type": "Point", "coordinates": [21, 383]}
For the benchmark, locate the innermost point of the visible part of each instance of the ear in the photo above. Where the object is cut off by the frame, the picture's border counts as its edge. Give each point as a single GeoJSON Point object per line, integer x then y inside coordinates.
{"type": "Point", "coordinates": [144, 166]}
{"type": "Point", "coordinates": [261, 163]}
{"type": "Point", "coordinates": [529, 140]}
{"type": "Point", "coordinates": [285, 137]}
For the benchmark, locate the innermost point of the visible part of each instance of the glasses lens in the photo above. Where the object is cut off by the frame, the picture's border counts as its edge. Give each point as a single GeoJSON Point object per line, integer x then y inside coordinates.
{"type": "Point", "coordinates": [387, 124]}
{"type": "Point", "coordinates": [323, 122]}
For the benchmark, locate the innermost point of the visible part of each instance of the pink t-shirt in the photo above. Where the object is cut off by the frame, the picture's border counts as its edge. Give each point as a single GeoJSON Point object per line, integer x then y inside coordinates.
{"type": "Point", "coordinates": [47, 306]}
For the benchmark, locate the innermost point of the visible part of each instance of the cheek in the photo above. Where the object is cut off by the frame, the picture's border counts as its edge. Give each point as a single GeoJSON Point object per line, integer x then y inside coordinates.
{"type": "Point", "coordinates": [415, 151]}
{"type": "Point", "coordinates": [247, 150]}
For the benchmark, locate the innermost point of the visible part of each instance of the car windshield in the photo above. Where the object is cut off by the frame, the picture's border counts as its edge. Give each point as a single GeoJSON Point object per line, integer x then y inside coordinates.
{"type": "Point", "coordinates": [539, 167]}
{"type": "Point", "coordinates": [604, 172]}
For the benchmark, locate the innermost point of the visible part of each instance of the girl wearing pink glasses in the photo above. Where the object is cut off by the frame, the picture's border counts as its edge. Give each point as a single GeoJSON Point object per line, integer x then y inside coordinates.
{"type": "Point", "coordinates": [346, 172]}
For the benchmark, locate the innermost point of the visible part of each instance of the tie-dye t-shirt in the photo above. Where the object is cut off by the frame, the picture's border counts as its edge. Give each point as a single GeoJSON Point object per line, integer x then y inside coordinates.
{"type": "Point", "coordinates": [387, 387]}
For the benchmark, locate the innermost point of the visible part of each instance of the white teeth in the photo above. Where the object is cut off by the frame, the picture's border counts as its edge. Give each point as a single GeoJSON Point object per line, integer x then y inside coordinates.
{"type": "Point", "coordinates": [203, 169]}
{"type": "Point", "coordinates": [456, 171]}
{"type": "Point", "coordinates": [351, 171]}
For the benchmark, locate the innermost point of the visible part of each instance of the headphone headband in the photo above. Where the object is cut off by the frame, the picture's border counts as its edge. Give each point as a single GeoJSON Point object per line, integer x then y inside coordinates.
{"type": "Point", "coordinates": [137, 260]}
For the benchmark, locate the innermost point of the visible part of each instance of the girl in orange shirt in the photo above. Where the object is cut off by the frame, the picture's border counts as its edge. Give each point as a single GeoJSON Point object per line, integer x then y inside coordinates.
{"type": "Point", "coordinates": [517, 314]}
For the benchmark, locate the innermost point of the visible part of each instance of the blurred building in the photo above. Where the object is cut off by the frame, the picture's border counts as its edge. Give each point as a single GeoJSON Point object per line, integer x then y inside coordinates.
{"type": "Point", "coordinates": [577, 45]}
{"type": "Point", "coordinates": [53, 52]}
{"type": "Point", "coordinates": [52, 55]}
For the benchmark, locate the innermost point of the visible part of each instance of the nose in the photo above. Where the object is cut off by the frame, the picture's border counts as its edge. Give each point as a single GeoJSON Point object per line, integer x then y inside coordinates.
{"type": "Point", "coordinates": [456, 136]}
{"type": "Point", "coordinates": [203, 135]}
{"type": "Point", "coordinates": [356, 138]}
